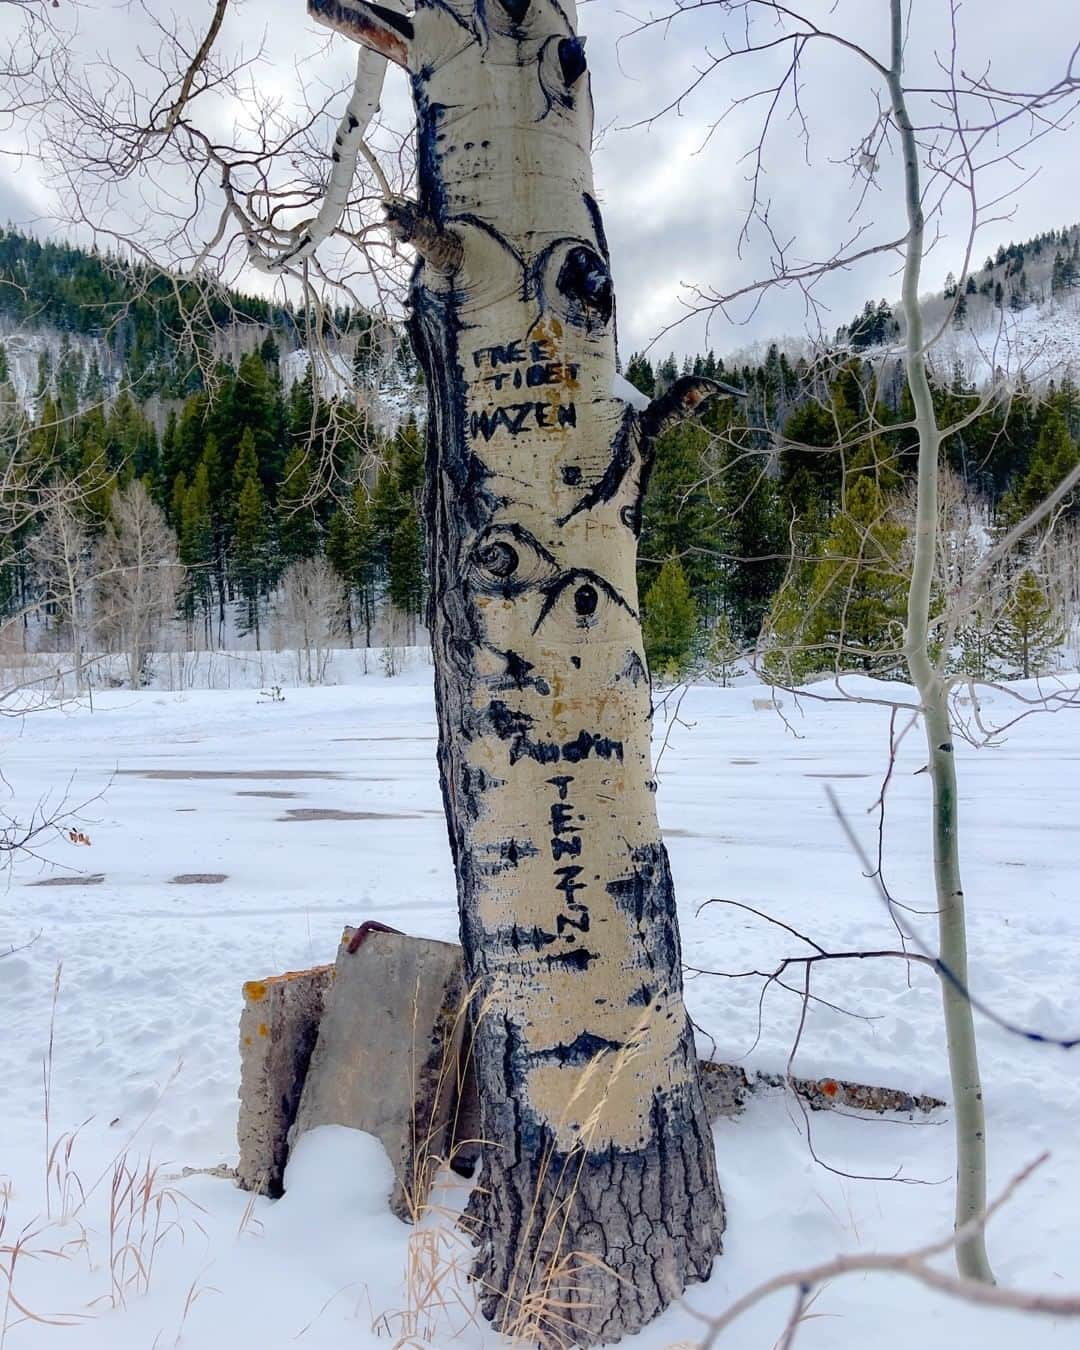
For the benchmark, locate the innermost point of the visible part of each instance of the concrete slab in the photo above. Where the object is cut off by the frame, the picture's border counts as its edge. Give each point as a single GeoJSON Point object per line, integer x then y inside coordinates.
{"type": "Point", "coordinates": [386, 1058]}
{"type": "Point", "coordinates": [278, 1029]}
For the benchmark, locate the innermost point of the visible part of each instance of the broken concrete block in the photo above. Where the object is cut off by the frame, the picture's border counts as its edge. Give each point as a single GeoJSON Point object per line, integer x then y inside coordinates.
{"type": "Point", "coordinates": [278, 1029]}
{"type": "Point", "coordinates": [386, 1058]}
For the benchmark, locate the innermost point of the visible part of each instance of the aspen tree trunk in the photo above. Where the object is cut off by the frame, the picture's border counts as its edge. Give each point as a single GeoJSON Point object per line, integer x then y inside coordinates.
{"type": "Point", "coordinates": [970, 1120]}
{"type": "Point", "coordinates": [597, 1201]}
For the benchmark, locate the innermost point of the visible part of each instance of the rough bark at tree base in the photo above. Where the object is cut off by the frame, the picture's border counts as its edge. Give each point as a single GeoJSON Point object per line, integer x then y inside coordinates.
{"type": "Point", "coordinates": [583, 1249]}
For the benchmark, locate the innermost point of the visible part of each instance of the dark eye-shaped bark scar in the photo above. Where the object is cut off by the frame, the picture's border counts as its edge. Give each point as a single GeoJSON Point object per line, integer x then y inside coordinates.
{"type": "Point", "coordinates": [560, 66]}
{"type": "Point", "coordinates": [585, 281]}
{"type": "Point", "coordinates": [509, 560]}
{"type": "Point", "coordinates": [588, 587]}
{"type": "Point", "coordinates": [517, 9]}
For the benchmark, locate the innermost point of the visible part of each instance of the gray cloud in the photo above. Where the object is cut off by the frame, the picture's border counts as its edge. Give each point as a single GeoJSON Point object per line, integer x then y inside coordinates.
{"type": "Point", "coordinates": [675, 197]}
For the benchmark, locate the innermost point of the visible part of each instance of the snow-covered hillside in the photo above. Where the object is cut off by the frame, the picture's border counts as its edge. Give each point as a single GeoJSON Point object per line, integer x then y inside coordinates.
{"type": "Point", "coordinates": [390, 400]}
{"type": "Point", "coordinates": [1040, 342]}
{"type": "Point", "coordinates": [24, 347]}
{"type": "Point", "coordinates": [211, 861]}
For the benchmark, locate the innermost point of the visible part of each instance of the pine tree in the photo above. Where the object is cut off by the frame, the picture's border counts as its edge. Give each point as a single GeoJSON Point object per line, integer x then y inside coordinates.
{"type": "Point", "coordinates": [339, 556]}
{"type": "Point", "coordinates": [96, 484]}
{"type": "Point", "coordinates": [406, 567]}
{"type": "Point", "coordinates": [251, 555]}
{"type": "Point", "coordinates": [196, 550]}
{"type": "Point", "coordinates": [364, 549]}
{"type": "Point", "coordinates": [846, 611]}
{"type": "Point", "coordinates": [254, 404]}
{"type": "Point", "coordinates": [175, 513]}
{"type": "Point", "coordinates": [1029, 632]}
{"type": "Point", "coordinates": [44, 375]}
{"type": "Point", "coordinates": [722, 652]}
{"type": "Point", "coordinates": [1055, 455]}
{"type": "Point", "coordinates": [669, 622]}
{"type": "Point", "coordinates": [247, 464]}
{"type": "Point", "coordinates": [639, 373]}
{"type": "Point", "coordinates": [680, 516]}
{"type": "Point", "coordinates": [93, 389]}
{"type": "Point", "coordinates": [976, 643]}
{"type": "Point", "coordinates": [298, 529]}
{"type": "Point", "coordinates": [753, 539]}
{"type": "Point", "coordinates": [220, 522]}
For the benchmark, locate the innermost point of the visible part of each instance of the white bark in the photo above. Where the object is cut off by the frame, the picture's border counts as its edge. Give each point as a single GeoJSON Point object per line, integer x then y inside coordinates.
{"type": "Point", "coordinates": [970, 1123]}
{"type": "Point", "coordinates": [598, 1202]}
{"type": "Point", "coordinates": [348, 146]}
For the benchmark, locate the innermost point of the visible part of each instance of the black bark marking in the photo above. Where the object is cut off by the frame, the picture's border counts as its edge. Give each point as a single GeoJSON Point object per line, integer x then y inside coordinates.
{"type": "Point", "coordinates": [534, 566]}
{"type": "Point", "coordinates": [519, 939]}
{"type": "Point", "coordinates": [598, 224]}
{"type": "Point", "coordinates": [475, 782]}
{"type": "Point", "coordinates": [556, 588]}
{"type": "Point", "coordinates": [393, 20]}
{"type": "Point", "coordinates": [634, 669]}
{"type": "Point", "coordinates": [513, 726]}
{"type": "Point", "coordinates": [647, 893]}
{"type": "Point", "coordinates": [429, 116]}
{"type": "Point", "coordinates": [578, 959]}
{"type": "Point", "coordinates": [496, 859]}
{"type": "Point", "coordinates": [585, 281]}
{"type": "Point", "coordinates": [517, 674]}
{"type": "Point", "coordinates": [622, 459]}
{"type": "Point", "coordinates": [371, 24]}
{"type": "Point", "coordinates": [572, 59]}
{"type": "Point", "coordinates": [586, 600]}
{"type": "Point", "coordinates": [517, 9]}
{"type": "Point", "coordinates": [586, 744]}
{"type": "Point", "coordinates": [583, 1049]}
{"type": "Point", "coordinates": [499, 558]}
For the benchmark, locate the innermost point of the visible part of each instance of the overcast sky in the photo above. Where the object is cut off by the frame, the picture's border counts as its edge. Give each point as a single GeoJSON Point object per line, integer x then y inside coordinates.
{"type": "Point", "coordinates": [675, 197]}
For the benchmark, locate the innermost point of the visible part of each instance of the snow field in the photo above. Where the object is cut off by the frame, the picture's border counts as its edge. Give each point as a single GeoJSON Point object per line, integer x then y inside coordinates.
{"type": "Point", "coordinates": [224, 784]}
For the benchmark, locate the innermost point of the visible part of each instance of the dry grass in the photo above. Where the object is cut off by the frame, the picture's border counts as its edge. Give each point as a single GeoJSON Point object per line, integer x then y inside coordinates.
{"type": "Point", "coordinates": [439, 1253]}
{"type": "Point", "coordinates": [546, 1286]}
{"type": "Point", "coordinates": [143, 1213]}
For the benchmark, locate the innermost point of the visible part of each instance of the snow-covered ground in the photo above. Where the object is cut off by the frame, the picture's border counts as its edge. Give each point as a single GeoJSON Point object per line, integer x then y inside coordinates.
{"type": "Point", "coordinates": [145, 1033]}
